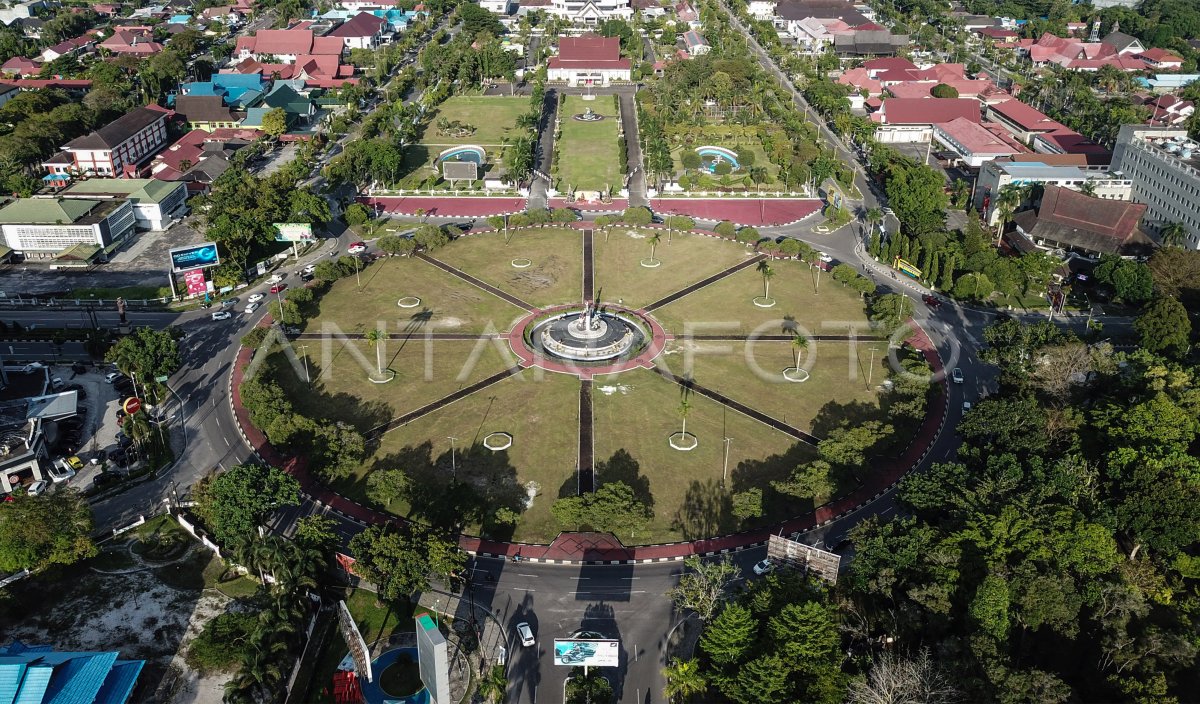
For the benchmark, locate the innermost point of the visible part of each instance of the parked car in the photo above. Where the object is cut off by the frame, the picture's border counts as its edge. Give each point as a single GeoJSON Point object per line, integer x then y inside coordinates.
{"type": "Point", "coordinates": [526, 634]}
{"type": "Point", "coordinates": [956, 376]}
{"type": "Point", "coordinates": [56, 383]}
{"type": "Point", "coordinates": [37, 488]}
{"type": "Point", "coordinates": [74, 462]}
{"type": "Point", "coordinates": [79, 368]}
{"type": "Point", "coordinates": [307, 277]}
{"type": "Point", "coordinates": [824, 257]}
{"type": "Point", "coordinates": [60, 471]}
{"type": "Point", "coordinates": [222, 315]}
{"type": "Point", "coordinates": [277, 288]}
{"type": "Point", "coordinates": [112, 376]}
{"type": "Point", "coordinates": [763, 566]}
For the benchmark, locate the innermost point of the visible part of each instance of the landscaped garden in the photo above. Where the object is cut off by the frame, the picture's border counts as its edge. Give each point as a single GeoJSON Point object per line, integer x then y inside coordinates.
{"type": "Point", "coordinates": [453, 439]}
{"type": "Point", "coordinates": [485, 121]}
{"type": "Point", "coordinates": [588, 152]}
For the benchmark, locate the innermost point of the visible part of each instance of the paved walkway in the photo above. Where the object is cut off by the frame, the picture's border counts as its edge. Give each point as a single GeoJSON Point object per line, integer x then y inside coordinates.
{"type": "Point", "coordinates": [471, 336]}
{"type": "Point", "coordinates": [757, 212]}
{"type": "Point", "coordinates": [474, 281]}
{"type": "Point", "coordinates": [587, 442]}
{"type": "Point", "coordinates": [691, 288]}
{"type": "Point", "coordinates": [778, 338]}
{"type": "Point", "coordinates": [448, 206]}
{"type": "Point", "coordinates": [589, 273]}
{"type": "Point", "coordinates": [739, 407]}
{"type": "Point", "coordinates": [633, 150]}
{"type": "Point", "coordinates": [443, 402]}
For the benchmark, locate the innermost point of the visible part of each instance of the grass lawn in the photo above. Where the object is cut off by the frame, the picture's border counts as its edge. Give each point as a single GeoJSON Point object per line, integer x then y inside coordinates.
{"type": "Point", "coordinates": [555, 276]}
{"type": "Point", "coordinates": [541, 415]}
{"type": "Point", "coordinates": [588, 154]}
{"type": "Point", "coordinates": [424, 373]}
{"type": "Point", "coordinates": [229, 583]}
{"type": "Point", "coordinates": [636, 412]}
{"type": "Point", "coordinates": [448, 304]}
{"type": "Point", "coordinates": [836, 379]}
{"type": "Point", "coordinates": [713, 180]}
{"type": "Point", "coordinates": [728, 302]}
{"type": "Point", "coordinates": [687, 259]}
{"type": "Point", "coordinates": [133, 293]}
{"type": "Point", "coordinates": [493, 117]}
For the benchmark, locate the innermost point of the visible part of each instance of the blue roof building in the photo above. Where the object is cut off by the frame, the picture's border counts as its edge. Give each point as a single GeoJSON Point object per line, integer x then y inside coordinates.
{"type": "Point", "coordinates": [38, 675]}
{"type": "Point", "coordinates": [230, 86]}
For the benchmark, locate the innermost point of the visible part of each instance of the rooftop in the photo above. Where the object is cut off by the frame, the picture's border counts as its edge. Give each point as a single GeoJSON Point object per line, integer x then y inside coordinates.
{"type": "Point", "coordinates": [51, 211]}
{"type": "Point", "coordinates": [1094, 224]}
{"type": "Point", "coordinates": [589, 51]}
{"type": "Point", "coordinates": [975, 139]}
{"type": "Point", "coordinates": [928, 111]}
{"type": "Point", "coordinates": [821, 9]}
{"type": "Point", "coordinates": [119, 130]}
{"type": "Point", "coordinates": [1026, 117]}
{"type": "Point", "coordinates": [139, 190]}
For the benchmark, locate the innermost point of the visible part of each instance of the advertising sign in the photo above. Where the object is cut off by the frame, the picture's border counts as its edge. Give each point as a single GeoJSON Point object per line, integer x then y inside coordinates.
{"type": "Point", "coordinates": [587, 653]}
{"type": "Point", "coordinates": [194, 280]}
{"type": "Point", "coordinates": [293, 231]}
{"type": "Point", "coordinates": [803, 557]}
{"type": "Point", "coordinates": [197, 256]}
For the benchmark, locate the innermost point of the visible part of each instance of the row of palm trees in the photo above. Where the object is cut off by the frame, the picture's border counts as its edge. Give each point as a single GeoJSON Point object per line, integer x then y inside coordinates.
{"type": "Point", "coordinates": [279, 631]}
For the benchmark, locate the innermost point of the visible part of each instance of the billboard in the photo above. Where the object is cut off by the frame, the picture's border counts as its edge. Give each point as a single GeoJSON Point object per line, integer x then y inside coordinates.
{"type": "Point", "coordinates": [197, 256]}
{"type": "Point", "coordinates": [293, 231]}
{"type": "Point", "coordinates": [194, 280]}
{"type": "Point", "coordinates": [354, 641]}
{"type": "Point", "coordinates": [821, 563]}
{"type": "Point", "coordinates": [587, 653]}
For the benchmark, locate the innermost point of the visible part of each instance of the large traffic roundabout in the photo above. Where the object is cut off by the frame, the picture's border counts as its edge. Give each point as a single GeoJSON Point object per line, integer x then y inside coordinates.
{"type": "Point", "coordinates": [550, 362]}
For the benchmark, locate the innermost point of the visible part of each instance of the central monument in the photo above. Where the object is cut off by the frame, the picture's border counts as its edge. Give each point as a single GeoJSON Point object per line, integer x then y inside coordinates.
{"type": "Point", "coordinates": [587, 335]}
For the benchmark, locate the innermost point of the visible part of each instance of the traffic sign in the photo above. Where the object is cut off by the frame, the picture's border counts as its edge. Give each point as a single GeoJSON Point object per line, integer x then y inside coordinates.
{"type": "Point", "coordinates": [161, 379]}
{"type": "Point", "coordinates": [132, 405]}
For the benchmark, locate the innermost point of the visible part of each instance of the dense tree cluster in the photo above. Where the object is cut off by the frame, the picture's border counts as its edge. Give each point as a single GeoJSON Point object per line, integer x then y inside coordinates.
{"type": "Point", "coordinates": [50, 529]}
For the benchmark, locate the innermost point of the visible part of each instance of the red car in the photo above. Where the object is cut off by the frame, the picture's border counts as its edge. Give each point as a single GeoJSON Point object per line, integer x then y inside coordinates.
{"type": "Point", "coordinates": [931, 301]}
{"type": "Point", "coordinates": [278, 287]}
{"type": "Point", "coordinates": [357, 248]}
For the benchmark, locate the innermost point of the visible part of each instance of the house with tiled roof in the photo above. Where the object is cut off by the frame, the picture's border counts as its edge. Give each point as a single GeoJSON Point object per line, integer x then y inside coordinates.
{"type": "Point", "coordinates": [869, 42]}
{"type": "Point", "coordinates": [132, 41]}
{"type": "Point", "coordinates": [999, 34]}
{"type": "Point", "coordinates": [362, 31]}
{"type": "Point", "coordinates": [1169, 110]}
{"type": "Point", "coordinates": [589, 60]}
{"type": "Point", "coordinates": [21, 67]}
{"type": "Point", "coordinates": [156, 203]}
{"type": "Point", "coordinates": [285, 45]}
{"type": "Point", "coordinates": [116, 149]}
{"type": "Point", "coordinates": [695, 43]}
{"type": "Point", "coordinates": [904, 120]}
{"type": "Point", "coordinates": [1088, 226]}
{"type": "Point", "coordinates": [1161, 59]}
{"type": "Point", "coordinates": [1123, 43]}
{"type": "Point", "coordinates": [1067, 141]}
{"type": "Point", "coordinates": [974, 143]}
{"type": "Point", "coordinates": [1021, 120]}
{"type": "Point", "coordinates": [206, 112]}
{"type": "Point", "coordinates": [35, 673]}
{"type": "Point", "coordinates": [77, 45]}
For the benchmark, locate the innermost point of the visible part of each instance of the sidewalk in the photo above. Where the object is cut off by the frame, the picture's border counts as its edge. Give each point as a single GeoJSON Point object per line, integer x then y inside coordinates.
{"type": "Point", "coordinates": [455, 606]}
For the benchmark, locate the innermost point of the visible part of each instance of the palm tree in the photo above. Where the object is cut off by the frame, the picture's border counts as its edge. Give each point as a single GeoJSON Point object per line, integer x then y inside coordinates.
{"type": "Point", "coordinates": [654, 240]}
{"type": "Point", "coordinates": [684, 679]}
{"type": "Point", "coordinates": [1007, 200]}
{"type": "Point", "coordinates": [685, 409]}
{"type": "Point", "coordinates": [494, 684]}
{"type": "Point", "coordinates": [799, 342]}
{"type": "Point", "coordinates": [873, 217]}
{"type": "Point", "coordinates": [1172, 235]}
{"type": "Point", "coordinates": [765, 270]}
{"type": "Point", "coordinates": [375, 338]}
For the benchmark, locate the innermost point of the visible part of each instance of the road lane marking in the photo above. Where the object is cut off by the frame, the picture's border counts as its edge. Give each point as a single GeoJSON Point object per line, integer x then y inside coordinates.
{"type": "Point", "coordinates": [520, 574]}
{"type": "Point", "coordinates": [523, 589]}
{"type": "Point", "coordinates": [226, 441]}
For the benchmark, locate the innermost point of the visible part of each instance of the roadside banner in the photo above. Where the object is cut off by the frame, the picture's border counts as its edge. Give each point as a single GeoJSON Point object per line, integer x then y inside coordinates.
{"type": "Point", "coordinates": [587, 653]}
{"type": "Point", "coordinates": [194, 280]}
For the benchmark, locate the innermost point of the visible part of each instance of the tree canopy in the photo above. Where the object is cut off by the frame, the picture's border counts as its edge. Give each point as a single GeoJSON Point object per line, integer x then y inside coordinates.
{"type": "Point", "coordinates": [234, 503]}
{"type": "Point", "coordinates": [38, 531]}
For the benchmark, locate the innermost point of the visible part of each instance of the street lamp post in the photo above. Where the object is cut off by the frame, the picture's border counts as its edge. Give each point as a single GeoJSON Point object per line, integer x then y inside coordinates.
{"type": "Point", "coordinates": [725, 468]}
{"type": "Point", "coordinates": [871, 368]}
{"type": "Point", "coordinates": [453, 461]}
{"type": "Point", "coordinates": [304, 354]}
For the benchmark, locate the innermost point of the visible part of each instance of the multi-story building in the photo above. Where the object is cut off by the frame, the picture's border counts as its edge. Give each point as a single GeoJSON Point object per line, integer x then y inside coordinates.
{"type": "Point", "coordinates": [116, 149]}
{"type": "Point", "coordinates": [1164, 167]}
{"type": "Point", "coordinates": [589, 61]}
{"type": "Point", "coordinates": [590, 12]}
{"type": "Point", "coordinates": [47, 226]}
{"type": "Point", "coordinates": [995, 175]}
{"type": "Point", "coordinates": [156, 204]}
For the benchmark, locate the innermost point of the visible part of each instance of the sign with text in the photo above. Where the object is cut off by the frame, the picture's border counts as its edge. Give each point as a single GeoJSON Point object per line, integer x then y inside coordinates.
{"type": "Point", "coordinates": [194, 280]}
{"type": "Point", "coordinates": [293, 232]}
{"type": "Point", "coordinates": [822, 563]}
{"type": "Point", "coordinates": [587, 653]}
{"type": "Point", "coordinates": [197, 256]}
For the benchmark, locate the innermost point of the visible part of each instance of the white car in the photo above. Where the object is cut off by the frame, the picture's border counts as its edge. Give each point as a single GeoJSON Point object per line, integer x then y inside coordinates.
{"type": "Point", "coordinates": [526, 634]}
{"type": "Point", "coordinates": [112, 376]}
{"type": "Point", "coordinates": [36, 488]}
{"type": "Point", "coordinates": [763, 566]}
{"type": "Point", "coordinates": [252, 307]}
{"type": "Point", "coordinates": [255, 297]}
{"type": "Point", "coordinates": [309, 269]}
{"type": "Point", "coordinates": [956, 376]}
{"type": "Point", "coordinates": [275, 278]}
{"type": "Point", "coordinates": [357, 249]}
{"type": "Point", "coordinates": [222, 315]}
{"type": "Point", "coordinates": [824, 257]}
{"type": "Point", "coordinates": [966, 406]}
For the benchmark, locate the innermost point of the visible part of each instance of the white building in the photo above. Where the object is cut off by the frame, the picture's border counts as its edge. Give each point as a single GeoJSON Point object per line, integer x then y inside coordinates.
{"type": "Point", "coordinates": [995, 175]}
{"type": "Point", "coordinates": [500, 7]}
{"type": "Point", "coordinates": [156, 204]}
{"type": "Point", "coordinates": [51, 225]}
{"type": "Point", "coordinates": [590, 12]}
{"type": "Point", "coordinates": [761, 9]}
{"type": "Point", "coordinates": [589, 61]}
{"type": "Point", "coordinates": [1164, 166]}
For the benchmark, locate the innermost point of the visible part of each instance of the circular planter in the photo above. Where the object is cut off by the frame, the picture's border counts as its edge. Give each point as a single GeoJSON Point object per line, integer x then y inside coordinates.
{"type": "Point", "coordinates": [391, 375]}
{"type": "Point", "coordinates": [797, 375]}
{"type": "Point", "coordinates": [498, 441]}
{"type": "Point", "coordinates": [651, 263]}
{"type": "Point", "coordinates": [764, 302]}
{"type": "Point", "coordinates": [522, 263]}
{"type": "Point", "coordinates": [684, 442]}
{"type": "Point", "coordinates": [409, 302]}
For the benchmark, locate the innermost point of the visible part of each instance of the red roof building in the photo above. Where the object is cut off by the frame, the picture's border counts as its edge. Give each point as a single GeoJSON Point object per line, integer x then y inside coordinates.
{"type": "Point", "coordinates": [913, 119]}
{"type": "Point", "coordinates": [134, 41]}
{"type": "Point", "coordinates": [974, 142]}
{"type": "Point", "coordinates": [21, 67]}
{"type": "Point", "coordinates": [287, 44]}
{"type": "Point", "coordinates": [589, 60]}
{"type": "Point", "coordinates": [1070, 220]}
{"type": "Point", "coordinates": [1161, 59]}
{"type": "Point", "coordinates": [1021, 120]}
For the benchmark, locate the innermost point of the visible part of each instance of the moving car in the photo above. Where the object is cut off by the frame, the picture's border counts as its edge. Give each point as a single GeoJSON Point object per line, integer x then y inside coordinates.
{"type": "Point", "coordinates": [252, 307]}
{"type": "Point", "coordinates": [956, 376]}
{"type": "Point", "coordinates": [275, 278]}
{"type": "Point", "coordinates": [931, 300]}
{"type": "Point", "coordinates": [222, 315]}
{"type": "Point", "coordinates": [308, 269]}
{"type": "Point", "coordinates": [229, 302]}
{"type": "Point", "coordinates": [824, 257]}
{"type": "Point", "coordinates": [526, 634]}
{"type": "Point", "coordinates": [763, 566]}
{"type": "Point", "coordinates": [966, 406]}
{"type": "Point", "coordinates": [255, 297]}
{"type": "Point", "coordinates": [357, 248]}
{"type": "Point", "coordinates": [278, 287]}
{"type": "Point", "coordinates": [105, 479]}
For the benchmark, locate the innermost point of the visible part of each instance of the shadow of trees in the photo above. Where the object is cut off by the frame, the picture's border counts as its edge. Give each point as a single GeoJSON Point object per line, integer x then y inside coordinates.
{"type": "Point", "coordinates": [622, 467]}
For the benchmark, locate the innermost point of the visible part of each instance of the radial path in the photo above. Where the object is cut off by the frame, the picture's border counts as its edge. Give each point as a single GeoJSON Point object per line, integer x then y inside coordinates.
{"type": "Point", "coordinates": [589, 275]}
{"type": "Point", "coordinates": [691, 288]}
{"type": "Point", "coordinates": [406, 335]}
{"type": "Point", "coordinates": [443, 402]}
{"type": "Point", "coordinates": [782, 338]}
{"type": "Point", "coordinates": [474, 281]}
{"type": "Point", "coordinates": [587, 454]}
{"type": "Point", "coordinates": [740, 407]}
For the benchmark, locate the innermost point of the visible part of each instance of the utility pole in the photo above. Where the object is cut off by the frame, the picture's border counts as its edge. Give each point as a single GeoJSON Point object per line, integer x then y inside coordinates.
{"type": "Point", "coordinates": [304, 352]}
{"type": "Point", "coordinates": [453, 461]}
{"type": "Point", "coordinates": [871, 368]}
{"type": "Point", "coordinates": [725, 469]}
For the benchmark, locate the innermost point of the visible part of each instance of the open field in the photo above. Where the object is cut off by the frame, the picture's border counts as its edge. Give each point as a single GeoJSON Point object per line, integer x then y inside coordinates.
{"type": "Point", "coordinates": [588, 158]}
{"type": "Point", "coordinates": [448, 304]}
{"type": "Point", "coordinates": [493, 117]}
{"type": "Point", "coordinates": [635, 414]}
{"type": "Point", "coordinates": [554, 277]}
{"type": "Point", "coordinates": [687, 259]}
{"type": "Point", "coordinates": [541, 415]}
{"type": "Point", "coordinates": [727, 305]}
